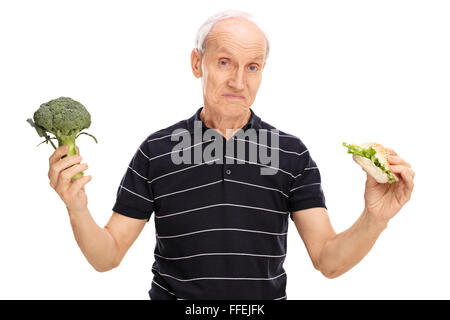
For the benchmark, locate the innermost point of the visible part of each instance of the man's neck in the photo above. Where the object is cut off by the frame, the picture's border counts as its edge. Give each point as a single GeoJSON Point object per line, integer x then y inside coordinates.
{"type": "Point", "coordinates": [221, 123]}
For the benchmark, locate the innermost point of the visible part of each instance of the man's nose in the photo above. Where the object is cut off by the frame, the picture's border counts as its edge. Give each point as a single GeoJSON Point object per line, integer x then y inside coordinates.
{"type": "Point", "coordinates": [237, 80]}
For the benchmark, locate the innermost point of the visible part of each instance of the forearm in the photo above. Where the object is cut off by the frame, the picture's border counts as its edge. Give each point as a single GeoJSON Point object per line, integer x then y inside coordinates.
{"type": "Point", "coordinates": [97, 244]}
{"type": "Point", "coordinates": [347, 248]}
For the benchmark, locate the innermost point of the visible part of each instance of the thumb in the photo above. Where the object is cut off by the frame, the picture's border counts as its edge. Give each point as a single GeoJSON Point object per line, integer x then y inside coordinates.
{"type": "Point", "coordinates": [78, 150]}
{"type": "Point", "coordinates": [370, 182]}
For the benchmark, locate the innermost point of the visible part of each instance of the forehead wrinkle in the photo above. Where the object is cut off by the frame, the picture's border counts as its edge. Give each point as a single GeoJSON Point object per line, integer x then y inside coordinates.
{"type": "Point", "coordinates": [217, 37]}
{"type": "Point", "coordinates": [226, 51]}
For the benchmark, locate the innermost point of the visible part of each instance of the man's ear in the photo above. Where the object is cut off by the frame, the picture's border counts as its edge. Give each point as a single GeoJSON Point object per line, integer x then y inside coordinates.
{"type": "Point", "coordinates": [196, 63]}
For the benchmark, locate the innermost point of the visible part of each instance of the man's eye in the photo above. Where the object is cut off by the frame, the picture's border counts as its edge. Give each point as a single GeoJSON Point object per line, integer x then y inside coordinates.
{"type": "Point", "coordinates": [255, 68]}
{"type": "Point", "coordinates": [223, 62]}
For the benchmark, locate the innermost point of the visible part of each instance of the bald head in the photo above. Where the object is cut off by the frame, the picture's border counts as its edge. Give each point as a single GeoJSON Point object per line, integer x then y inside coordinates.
{"type": "Point", "coordinates": [237, 33]}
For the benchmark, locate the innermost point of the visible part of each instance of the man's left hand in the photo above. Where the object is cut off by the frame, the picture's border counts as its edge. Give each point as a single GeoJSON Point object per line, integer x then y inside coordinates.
{"type": "Point", "coordinates": [384, 200]}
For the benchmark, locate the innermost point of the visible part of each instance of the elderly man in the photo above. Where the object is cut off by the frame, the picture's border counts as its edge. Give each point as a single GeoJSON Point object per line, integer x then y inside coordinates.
{"type": "Point", "coordinates": [221, 224]}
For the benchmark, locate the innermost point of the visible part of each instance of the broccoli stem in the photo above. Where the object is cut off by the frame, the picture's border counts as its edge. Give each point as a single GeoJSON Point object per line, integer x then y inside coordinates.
{"type": "Point", "coordinates": [70, 142]}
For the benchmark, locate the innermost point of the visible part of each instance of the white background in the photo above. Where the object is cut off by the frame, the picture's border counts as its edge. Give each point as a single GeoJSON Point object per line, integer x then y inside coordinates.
{"type": "Point", "coordinates": [338, 71]}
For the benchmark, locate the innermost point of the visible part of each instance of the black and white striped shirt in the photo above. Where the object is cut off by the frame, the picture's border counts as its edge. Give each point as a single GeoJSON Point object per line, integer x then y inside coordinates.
{"type": "Point", "coordinates": [221, 228]}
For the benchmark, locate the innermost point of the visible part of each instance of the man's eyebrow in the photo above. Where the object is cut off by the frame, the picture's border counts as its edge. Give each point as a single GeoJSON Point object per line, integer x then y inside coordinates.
{"type": "Point", "coordinates": [260, 57]}
{"type": "Point", "coordinates": [223, 50]}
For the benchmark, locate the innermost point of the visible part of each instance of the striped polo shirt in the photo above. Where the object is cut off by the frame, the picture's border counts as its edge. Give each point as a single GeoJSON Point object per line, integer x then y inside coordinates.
{"type": "Point", "coordinates": [221, 225]}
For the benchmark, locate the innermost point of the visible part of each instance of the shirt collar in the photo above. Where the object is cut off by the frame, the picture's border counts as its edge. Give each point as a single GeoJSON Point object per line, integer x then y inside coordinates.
{"type": "Point", "coordinates": [254, 122]}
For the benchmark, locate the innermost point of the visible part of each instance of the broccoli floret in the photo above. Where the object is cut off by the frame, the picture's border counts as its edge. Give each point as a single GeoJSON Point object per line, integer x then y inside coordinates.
{"type": "Point", "coordinates": [65, 118]}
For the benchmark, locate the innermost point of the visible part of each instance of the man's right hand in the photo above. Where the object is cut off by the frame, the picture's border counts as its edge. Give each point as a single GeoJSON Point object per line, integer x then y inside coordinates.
{"type": "Point", "coordinates": [60, 173]}
{"type": "Point", "coordinates": [104, 248]}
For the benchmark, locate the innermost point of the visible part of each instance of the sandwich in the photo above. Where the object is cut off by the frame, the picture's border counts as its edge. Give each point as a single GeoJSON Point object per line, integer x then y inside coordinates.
{"type": "Point", "coordinates": [372, 157]}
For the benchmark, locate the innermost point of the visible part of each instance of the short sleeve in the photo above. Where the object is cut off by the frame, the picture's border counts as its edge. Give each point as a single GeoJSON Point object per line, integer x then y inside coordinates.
{"type": "Point", "coordinates": [134, 195]}
{"type": "Point", "coordinates": [306, 189]}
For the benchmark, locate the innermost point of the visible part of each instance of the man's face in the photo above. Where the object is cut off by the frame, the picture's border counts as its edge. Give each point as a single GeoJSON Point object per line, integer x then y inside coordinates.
{"type": "Point", "coordinates": [232, 65]}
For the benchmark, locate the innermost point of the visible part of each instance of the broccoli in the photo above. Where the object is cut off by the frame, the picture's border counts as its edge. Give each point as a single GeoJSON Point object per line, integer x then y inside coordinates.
{"type": "Point", "coordinates": [65, 118]}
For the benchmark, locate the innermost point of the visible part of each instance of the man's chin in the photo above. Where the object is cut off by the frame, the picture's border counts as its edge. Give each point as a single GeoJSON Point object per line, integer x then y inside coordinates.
{"type": "Point", "coordinates": [235, 108]}
{"type": "Point", "coordinates": [232, 108]}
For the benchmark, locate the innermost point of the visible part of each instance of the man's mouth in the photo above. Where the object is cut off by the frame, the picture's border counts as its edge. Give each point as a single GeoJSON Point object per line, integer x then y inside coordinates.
{"type": "Point", "coordinates": [233, 96]}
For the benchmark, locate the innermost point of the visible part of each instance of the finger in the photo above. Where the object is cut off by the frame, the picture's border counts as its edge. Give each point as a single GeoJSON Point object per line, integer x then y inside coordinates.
{"type": "Point", "coordinates": [398, 160]}
{"type": "Point", "coordinates": [59, 152]}
{"type": "Point", "coordinates": [67, 174]}
{"type": "Point", "coordinates": [78, 150]}
{"type": "Point", "coordinates": [391, 151]}
{"type": "Point", "coordinates": [405, 175]}
{"type": "Point", "coordinates": [61, 165]}
{"type": "Point", "coordinates": [412, 173]}
{"type": "Point", "coordinates": [79, 184]}
{"type": "Point", "coordinates": [370, 182]}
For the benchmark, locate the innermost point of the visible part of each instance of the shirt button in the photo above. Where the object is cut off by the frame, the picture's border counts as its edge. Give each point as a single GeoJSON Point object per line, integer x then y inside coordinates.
{"type": "Point", "coordinates": [228, 172]}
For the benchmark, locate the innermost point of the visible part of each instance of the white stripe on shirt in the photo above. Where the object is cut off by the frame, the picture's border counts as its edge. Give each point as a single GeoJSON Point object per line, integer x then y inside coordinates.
{"type": "Point", "coordinates": [176, 171]}
{"type": "Point", "coordinates": [184, 190]}
{"type": "Point", "coordinates": [305, 185]}
{"type": "Point", "coordinates": [281, 135]}
{"type": "Point", "coordinates": [162, 287]}
{"type": "Point", "coordinates": [216, 205]}
{"type": "Point", "coordinates": [144, 153]}
{"type": "Point", "coordinates": [222, 254]}
{"type": "Point", "coordinates": [221, 229]}
{"type": "Point", "coordinates": [263, 165]}
{"type": "Point", "coordinates": [172, 134]}
{"type": "Point", "coordinates": [257, 185]}
{"type": "Point", "coordinates": [136, 194]}
{"type": "Point", "coordinates": [137, 173]}
{"type": "Point", "coordinates": [178, 150]}
{"type": "Point", "coordinates": [263, 145]}
{"type": "Point", "coordinates": [217, 278]}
